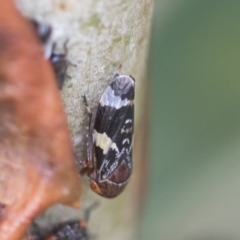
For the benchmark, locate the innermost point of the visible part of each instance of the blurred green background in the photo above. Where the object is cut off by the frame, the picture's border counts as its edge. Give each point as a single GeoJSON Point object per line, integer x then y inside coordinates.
{"type": "Point", "coordinates": [194, 184]}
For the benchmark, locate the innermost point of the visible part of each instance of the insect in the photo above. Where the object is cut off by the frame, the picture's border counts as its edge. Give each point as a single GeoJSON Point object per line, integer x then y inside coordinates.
{"type": "Point", "coordinates": [70, 230]}
{"type": "Point", "coordinates": [109, 161]}
{"type": "Point", "coordinates": [43, 30]}
{"type": "Point", "coordinates": [74, 230]}
{"type": "Point", "coordinates": [59, 61]}
{"type": "Point", "coordinates": [60, 64]}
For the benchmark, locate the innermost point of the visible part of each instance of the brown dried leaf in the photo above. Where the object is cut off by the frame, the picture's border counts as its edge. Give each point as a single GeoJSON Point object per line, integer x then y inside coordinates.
{"type": "Point", "coordinates": [37, 168]}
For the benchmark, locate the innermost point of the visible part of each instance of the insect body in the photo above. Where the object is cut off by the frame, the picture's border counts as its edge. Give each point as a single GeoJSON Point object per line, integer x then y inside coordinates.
{"type": "Point", "coordinates": [70, 230]}
{"type": "Point", "coordinates": [60, 64]}
{"type": "Point", "coordinates": [74, 230]}
{"type": "Point", "coordinates": [59, 61]}
{"type": "Point", "coordinates": [109, 163]}
{"type": "Point", "coordinates": [43, 30]}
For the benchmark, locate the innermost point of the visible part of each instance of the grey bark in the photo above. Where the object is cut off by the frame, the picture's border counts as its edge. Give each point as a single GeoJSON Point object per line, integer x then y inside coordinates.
{"type": "Point", "coordinates": [105, 37]}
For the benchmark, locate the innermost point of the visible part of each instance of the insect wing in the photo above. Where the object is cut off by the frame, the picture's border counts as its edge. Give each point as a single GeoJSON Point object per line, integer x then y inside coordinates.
{"type": "Point", "coordinates": [113, 127]}
{"type": "Point", "coordinates": [70, 230]}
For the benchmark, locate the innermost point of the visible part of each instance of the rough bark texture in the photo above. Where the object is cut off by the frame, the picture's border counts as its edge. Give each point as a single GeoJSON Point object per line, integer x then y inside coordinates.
{"type": "Point", "coordinates": [105, 37]}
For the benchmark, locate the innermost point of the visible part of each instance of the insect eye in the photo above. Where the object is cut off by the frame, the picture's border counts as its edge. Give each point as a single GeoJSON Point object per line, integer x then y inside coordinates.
{"type": "Point", "coordinates": [95, 187]}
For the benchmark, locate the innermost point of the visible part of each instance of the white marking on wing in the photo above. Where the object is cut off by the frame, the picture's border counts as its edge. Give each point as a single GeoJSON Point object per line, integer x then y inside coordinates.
{"type": "Point", "coordinates": [104, 142]}
{"type": "Point", "coordinates": [128, 121]}
{"type": "Point", "coordinates": [125, 140]}
{"type": "Point", "coordinates": [110, 99]}
{"type": "Point", "coordinates": [105, 164]}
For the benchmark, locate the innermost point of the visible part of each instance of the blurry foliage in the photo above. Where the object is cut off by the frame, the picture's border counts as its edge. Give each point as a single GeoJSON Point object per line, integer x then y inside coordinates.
{"type": "Point", "coordinates": [193, 191]}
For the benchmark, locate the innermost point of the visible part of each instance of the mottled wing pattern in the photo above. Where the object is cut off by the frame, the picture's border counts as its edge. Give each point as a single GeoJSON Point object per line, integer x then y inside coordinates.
{"type": "Point", "coordinates": [69, 231]}
{"type": "Point", "coordinates": [114, 126]}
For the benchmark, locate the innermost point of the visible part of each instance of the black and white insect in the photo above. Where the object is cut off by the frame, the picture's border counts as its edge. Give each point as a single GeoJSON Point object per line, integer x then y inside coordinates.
{"type": "Point", "coordinates": [109, 161]}
{"type": "Point", "coordinates": [60, 64]}
{"type": "Point", "coordinates": [43, 30]}
{"type": "Point", "coordinates": [69, 230]}
{"type": "Point", "coordinates": [74, 230]}
{"type": "Point", "coordinates": [59, 61]}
